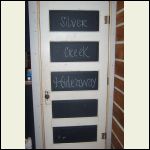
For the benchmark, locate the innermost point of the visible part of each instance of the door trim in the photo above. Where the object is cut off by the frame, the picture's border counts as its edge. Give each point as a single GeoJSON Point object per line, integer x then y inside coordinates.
{"type": "Point", "coordinates": [111, 64]}
{"type": "Point", "coordinates": [36, 73]}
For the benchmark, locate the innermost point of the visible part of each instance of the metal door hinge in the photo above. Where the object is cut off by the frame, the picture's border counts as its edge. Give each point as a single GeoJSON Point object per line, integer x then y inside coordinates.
{"type": "Point", "coordinates": [107, 19]}
{"type": "Point", "coordinates": [104, 135]}
{"type": "Point", "coordinates": [107, 80]}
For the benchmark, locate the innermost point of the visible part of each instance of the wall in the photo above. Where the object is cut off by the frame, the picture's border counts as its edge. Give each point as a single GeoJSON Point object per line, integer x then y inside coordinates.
{"type": "Point", "coordinates": [29, 118]}
{"type": "Point", "coordinates": [118, 103]}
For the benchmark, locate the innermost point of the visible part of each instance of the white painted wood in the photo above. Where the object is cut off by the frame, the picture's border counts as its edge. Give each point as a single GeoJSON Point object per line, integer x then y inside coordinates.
{"type": "Point", "coordinates": [83, 145]}
{"type": "Point", "coordinates": [101, 66]}
{"type": "Point", "coordinates": [75, 95]}
{"type": "Point", "coordinates": [74, 121]}
{"type": "Point", "coordinates": [76, 36]}
{"type": "Point", "coordinates": [72, 66]}
{"type": "Point", "coordinates": [112, 34]}
{"type": "Point", "coordinates": [35, 65]}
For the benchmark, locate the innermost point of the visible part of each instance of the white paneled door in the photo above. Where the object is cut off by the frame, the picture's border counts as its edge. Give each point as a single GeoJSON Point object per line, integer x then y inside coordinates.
{"type": "Point", "coordinates": [74, 55]}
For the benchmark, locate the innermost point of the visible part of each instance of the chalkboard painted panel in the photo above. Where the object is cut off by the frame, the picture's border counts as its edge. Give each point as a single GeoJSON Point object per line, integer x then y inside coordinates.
{"type": "Point", "coordinates": [74, 108]}
{"type": "Point", "coordinates": [73, 20]}
{"type": "Point", "coordinates": [75, 134]}
{"type": "Point", "coordinates": [74, 81]}
{"type": "Point", "coordinates": [74, 51]}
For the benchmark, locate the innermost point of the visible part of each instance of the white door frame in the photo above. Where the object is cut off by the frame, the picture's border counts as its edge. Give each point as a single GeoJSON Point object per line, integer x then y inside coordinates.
{"type": "Point", "coordinates": [111, 66]}
{"type": "Point", "coordinates": [34, 25]}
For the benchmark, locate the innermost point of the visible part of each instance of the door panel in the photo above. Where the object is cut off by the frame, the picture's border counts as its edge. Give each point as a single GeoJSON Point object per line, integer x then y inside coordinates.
{"type": "Point", "coordinates": [74, 55]}
{"type": "Point", "coordinates": [74, 51]}
{"type": "Point", "coordinates": [60, 20]}
{"type": "Point", "coordinates": [75, 134]}
{"type": "Point", "coordinates": [74, 81]}
{"type": "Point", "coordinates": [74, 108]}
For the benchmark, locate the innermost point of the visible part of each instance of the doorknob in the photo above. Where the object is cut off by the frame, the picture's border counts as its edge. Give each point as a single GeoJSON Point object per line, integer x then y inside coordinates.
{"type": "Point", "coordinates": [47, 95]}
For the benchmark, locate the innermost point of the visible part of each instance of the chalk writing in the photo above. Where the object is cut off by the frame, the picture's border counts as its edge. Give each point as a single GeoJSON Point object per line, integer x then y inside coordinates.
{"type": "Point", "coordinates": [66, 82]}
{"type": "Point", "coordinates": [73, 20]}
{"type": "Point", "coordinates": [74, 51]}
{"type": "Point", "coordinates": [81, 52]}
{"type": "Point", "coordinates": [62, 81]}
{"type": "Point", "coordinates": [67, 22]}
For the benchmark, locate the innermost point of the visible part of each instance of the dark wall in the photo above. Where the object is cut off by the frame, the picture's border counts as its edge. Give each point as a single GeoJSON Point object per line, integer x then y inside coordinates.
{"type": "Point", "coordinates": [27, 37]}
{"type": "Point", "coordinates": [29, 118]}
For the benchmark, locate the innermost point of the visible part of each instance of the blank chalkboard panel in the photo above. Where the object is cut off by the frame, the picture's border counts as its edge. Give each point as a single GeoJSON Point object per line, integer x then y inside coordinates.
{"type": "Point", "coordinates": [73, 81]}
{"type": "Point", "coordinates": [74, 134]}
{"type": "Point", "coordinates": [73, 20]}
{"type": "Point", "coordinates": [74, 108]}
{"type": "Point", "coordinates": [74, 51]}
